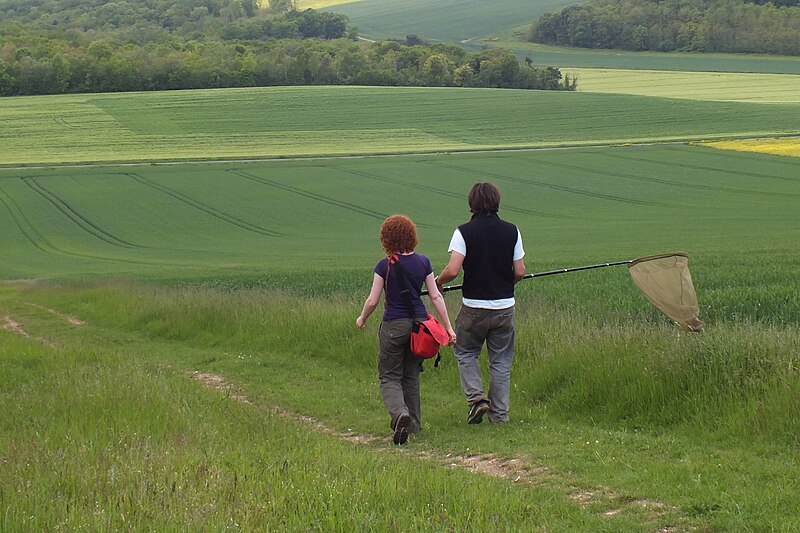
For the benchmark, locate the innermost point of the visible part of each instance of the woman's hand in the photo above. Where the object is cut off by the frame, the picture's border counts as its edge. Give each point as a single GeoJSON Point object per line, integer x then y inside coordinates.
{"type": "Point", "coordinates": [452, 335]}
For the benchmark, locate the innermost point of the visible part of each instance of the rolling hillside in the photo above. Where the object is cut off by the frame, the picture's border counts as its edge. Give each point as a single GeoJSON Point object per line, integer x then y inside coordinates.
{"type": "Point", "coordinates": [443, 20]}
{"type": "Point", "coordinates": [324, 121]}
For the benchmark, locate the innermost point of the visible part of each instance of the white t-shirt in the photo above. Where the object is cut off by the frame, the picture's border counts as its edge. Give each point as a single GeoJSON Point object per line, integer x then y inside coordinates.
{"type": "Point", "coordinates": [457, 244]}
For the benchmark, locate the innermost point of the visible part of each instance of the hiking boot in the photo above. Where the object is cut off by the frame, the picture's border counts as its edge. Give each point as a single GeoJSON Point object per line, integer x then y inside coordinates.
{"type": "Point", "coordinates": [401, 429]}
{"type": "Point", "coordinates": [476, 412]}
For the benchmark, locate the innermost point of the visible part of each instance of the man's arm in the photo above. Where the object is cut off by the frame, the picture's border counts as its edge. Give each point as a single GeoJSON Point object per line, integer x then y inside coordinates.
{"type": "Point", "coordinates": [451, 271]}
{"type": "Point", "coordinates": [519, 269]}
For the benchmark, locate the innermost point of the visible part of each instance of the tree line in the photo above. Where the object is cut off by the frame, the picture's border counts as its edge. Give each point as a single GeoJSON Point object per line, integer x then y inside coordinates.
{"type": "Point", "coordinates": [64, 46]}
{"type": "Point", "coordinates": [109, 67]}
{"type": "Point", "coordinates": [731, 26]}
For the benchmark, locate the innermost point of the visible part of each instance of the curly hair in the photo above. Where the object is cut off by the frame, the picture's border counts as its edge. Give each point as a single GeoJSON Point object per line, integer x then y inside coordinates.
{"type": "Point", "coordinates": [398, 234]}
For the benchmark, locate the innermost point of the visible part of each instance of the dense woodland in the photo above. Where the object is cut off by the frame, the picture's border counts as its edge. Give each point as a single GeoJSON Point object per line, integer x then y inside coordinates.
{"type": "Point", "coordinates": [732, 26]}
{"type": "Point", "coordinates": [68, 46]}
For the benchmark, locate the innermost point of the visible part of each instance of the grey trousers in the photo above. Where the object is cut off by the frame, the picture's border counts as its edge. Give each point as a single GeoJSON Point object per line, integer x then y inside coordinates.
{"type": "Point", "coordinates": [399, 371]}
{"type": "Point", "coordinates": [495, 327]}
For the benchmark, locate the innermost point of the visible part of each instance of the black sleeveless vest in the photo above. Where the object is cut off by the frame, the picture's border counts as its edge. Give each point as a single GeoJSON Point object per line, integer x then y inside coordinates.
{"type": "Point", "coordinates": [489, 263]}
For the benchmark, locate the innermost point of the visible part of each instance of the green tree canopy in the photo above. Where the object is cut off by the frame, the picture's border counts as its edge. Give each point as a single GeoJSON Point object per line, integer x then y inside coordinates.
{"type": "Point", "coordinates": [731, 26]}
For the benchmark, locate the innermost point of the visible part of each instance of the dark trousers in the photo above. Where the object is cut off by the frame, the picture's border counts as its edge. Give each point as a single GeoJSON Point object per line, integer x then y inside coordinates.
{"type": "Point", "coordinates": [398, 371]}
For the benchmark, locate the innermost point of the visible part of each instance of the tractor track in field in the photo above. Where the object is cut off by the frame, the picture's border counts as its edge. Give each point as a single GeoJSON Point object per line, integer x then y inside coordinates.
{"type": "Point", "coordinates": [514, 470]}
{"type": "Point", "coordinates": [43, 245]}
{"type": "Point", "coordinates": [701, 167]}
{"type": "Point", "coordinates": [207, 209]}
{"type": "Point", "coordinates": [560, 188]}
{"type": "Point", "coordinates": [75, 217]}
{"type": "Point", "coordinates": [310, 195]}
{"type": "Point", "coordinates": [662, 181]}
{"type": "Point", "coordinates": [37, 239]}
{"type": "Point", "coordinates": [441, 192]}
{"type": "Point", "coordinates": [25, 227]}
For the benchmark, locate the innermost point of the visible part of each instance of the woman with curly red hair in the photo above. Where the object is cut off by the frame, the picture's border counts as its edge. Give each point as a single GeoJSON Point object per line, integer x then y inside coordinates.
{"type": "Point", "coordinates": [398, 368]}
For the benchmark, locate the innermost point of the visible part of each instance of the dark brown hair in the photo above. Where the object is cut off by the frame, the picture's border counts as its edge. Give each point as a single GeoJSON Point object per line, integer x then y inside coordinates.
{"type": "Point", "coordinates": [484, 198]}
{"type": "Point", "coordinates": [398, 234]}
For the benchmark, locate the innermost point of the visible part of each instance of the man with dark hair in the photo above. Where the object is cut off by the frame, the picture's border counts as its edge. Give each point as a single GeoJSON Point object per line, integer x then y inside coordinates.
{"type": "Point", "coordinates": [490, 252]}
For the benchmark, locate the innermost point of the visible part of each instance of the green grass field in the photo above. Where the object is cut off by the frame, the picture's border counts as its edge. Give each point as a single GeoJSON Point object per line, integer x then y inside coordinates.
{"type": "Point", "coordinates": [711, 86]}
{"type": "Point", "coordinates": [177, 341]}
{"type": "Point", "coordinates": [321, 121]}
{"type": "Point", "coordinates": [275, 216]}
{"type": "Point", "coordinates": [451, 21]}
{"type": "Point", "coordinates": [564, 57]}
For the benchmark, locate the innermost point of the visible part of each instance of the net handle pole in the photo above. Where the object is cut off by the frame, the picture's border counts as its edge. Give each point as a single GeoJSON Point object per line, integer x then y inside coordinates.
{"type": "Point", "coordinates": [550, 273]}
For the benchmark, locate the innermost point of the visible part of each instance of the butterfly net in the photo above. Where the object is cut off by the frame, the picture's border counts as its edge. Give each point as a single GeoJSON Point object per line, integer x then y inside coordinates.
{"type": "Point", "coordinates": [665, 281]}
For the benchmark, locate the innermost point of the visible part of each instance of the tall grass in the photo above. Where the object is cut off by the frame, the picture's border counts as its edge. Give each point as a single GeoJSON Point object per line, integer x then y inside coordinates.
{"type": "Point", "coordinates": [618, 400]}
{"type": "Point", "coordinates": [101, 440]}
{"type": "Point", "coordinates": [738, 382]}
{"type": "Point", "coordinates": [625, 368]}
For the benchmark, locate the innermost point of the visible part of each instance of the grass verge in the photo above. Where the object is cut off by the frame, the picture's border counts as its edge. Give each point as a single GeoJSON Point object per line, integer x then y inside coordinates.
{"type": "Point", "coordinates": [618, 427]}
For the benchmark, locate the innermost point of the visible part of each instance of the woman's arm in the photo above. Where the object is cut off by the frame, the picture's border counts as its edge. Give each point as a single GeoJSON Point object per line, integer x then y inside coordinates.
{"type": "Point", "coordinates": [438, 303]}
{"type": "Point", "coordinates": [371, 302]}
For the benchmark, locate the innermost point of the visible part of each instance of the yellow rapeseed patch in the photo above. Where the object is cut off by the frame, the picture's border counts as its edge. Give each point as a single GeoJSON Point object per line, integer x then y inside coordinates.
{"type": "Point", "coordinates": [785, 146]}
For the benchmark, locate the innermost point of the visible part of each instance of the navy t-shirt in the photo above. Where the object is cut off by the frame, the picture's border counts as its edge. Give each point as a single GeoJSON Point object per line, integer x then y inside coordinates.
{"type": "Point", "coordinates": [416, 268]}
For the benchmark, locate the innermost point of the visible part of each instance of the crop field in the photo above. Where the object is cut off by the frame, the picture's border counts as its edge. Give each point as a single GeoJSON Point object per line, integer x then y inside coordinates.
{"type": "Point", "coordinates": [716, 86]}
{"type": "Point", "coordinates": [449, 21]}
{"type": "Point", "coordinates": [788, 147]}
{"type": "Point", "coordinates": [562, 57]}
{"type": "Point", "coordinates": [321, 121]}
{"type": "Point", "coordinates": [281, 214]}
{"type": "Point", "coordinates": [177, 339]}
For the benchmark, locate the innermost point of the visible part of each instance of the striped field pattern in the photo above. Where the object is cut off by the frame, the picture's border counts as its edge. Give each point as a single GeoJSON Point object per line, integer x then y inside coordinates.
{"type": "Point", "coordinates": [710, 86]}
{"type": "Point", "coordinates": [333, 121]}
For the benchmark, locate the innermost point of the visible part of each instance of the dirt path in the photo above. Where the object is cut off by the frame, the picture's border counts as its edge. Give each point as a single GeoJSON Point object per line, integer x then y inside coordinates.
{"type": "Point", "coordinates": [71, 319]}
{"type": "Point", "coordinates": [10, 325]}
{"type": "Point", "coordinates": [514, 470]}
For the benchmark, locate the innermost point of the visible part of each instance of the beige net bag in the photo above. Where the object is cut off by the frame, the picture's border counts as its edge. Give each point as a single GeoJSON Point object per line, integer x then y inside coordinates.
{"type": "Point", "coordinates": [665, 281]}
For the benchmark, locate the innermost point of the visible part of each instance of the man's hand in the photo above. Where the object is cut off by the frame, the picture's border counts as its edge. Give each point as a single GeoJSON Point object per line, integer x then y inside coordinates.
{"type": "Point", "coordinates": [451, 271]}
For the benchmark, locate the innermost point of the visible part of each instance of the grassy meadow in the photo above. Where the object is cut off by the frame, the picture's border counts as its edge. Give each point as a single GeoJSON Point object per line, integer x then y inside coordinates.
{"type": "Point", "coordinates": [177, 339]}
{"type": "Point", "coordinates": [452, 21]}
